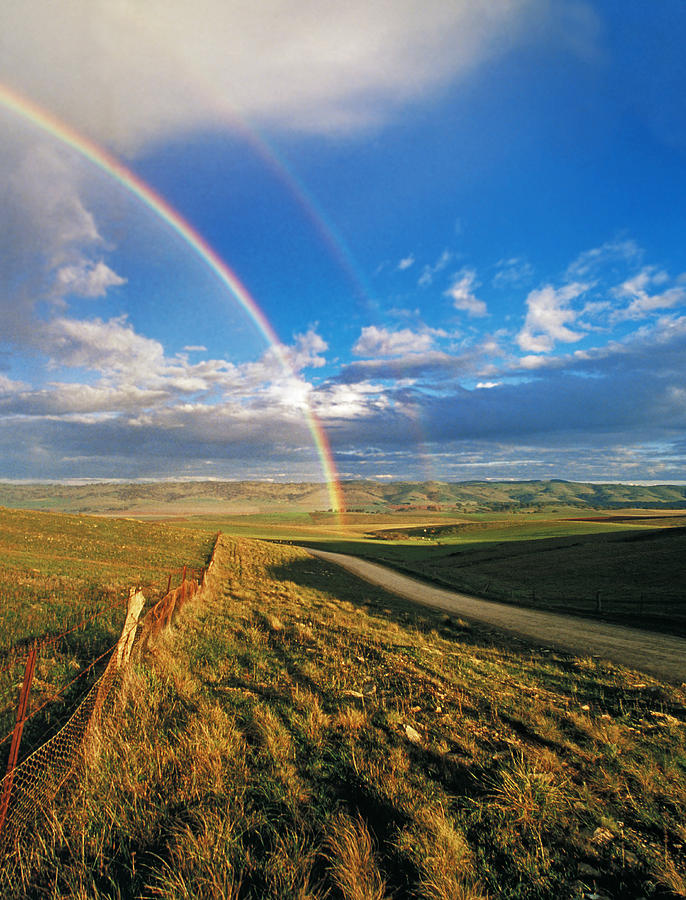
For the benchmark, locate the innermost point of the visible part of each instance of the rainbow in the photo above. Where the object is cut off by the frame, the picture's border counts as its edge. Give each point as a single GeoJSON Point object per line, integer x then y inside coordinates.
{"type": "Point", "coordinates": [107, 163]}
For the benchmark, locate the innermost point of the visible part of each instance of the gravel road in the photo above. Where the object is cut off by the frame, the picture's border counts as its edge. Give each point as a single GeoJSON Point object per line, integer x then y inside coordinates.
{"type": "Point", "coordinates": [661, 655]}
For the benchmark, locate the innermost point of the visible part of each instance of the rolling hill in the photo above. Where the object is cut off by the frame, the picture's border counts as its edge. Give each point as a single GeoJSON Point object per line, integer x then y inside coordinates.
{"type": "Point", "coordinates": [211, 497]}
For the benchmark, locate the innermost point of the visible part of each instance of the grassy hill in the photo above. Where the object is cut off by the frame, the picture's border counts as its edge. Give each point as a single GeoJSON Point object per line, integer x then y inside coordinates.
{"type": "Point", "coordinates": [225, 497]}
{"type": "Point", "coordinates": [305, 735]}
{"type": "Point", "coordinates": [58, 570]}
{"type": "Point", "coordinates": [628, 569]}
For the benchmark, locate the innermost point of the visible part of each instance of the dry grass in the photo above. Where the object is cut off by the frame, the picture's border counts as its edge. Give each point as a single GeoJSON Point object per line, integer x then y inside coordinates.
{"type": "Point", "coordinates": [443, 857]}
{"type": "Point", "coordinates": [353, 868]}
{"type": "Point", "coordinates": [280, 743]}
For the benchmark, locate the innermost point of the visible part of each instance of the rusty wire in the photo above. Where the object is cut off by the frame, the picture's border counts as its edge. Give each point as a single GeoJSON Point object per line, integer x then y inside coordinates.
{"type": "Point", "coordinates": [32, 785]}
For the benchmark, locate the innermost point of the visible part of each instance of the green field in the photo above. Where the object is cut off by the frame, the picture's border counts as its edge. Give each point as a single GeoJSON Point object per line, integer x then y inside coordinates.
{"type": "Point", "coordinates": [629, 573]}
{"type": "Point", "coordinates": [56, 570]}
{"type": "Point", "coordinates": [631, 565]}
{"type": "Point", "coordinates": [307, 735]}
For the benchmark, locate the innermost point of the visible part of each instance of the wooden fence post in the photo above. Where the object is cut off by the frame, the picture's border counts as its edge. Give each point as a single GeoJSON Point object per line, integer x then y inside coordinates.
{"type": "Point", "coordinates": [120, 655]}
{"type": "Point", "coordinates": [128, 634]}
{"type": "Point", "coordinates": [16, 736]}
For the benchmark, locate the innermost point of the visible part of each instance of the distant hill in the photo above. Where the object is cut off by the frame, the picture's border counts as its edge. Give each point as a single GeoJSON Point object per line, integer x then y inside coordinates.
{"type": "Point", "coordinates": [224, 497]}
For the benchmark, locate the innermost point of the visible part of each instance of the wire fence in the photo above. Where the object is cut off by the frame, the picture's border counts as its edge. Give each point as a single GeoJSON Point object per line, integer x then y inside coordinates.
{"type": "Point", "coordinates": [31, 785]}
{"type": "Point", "coordinates": [641, 606]}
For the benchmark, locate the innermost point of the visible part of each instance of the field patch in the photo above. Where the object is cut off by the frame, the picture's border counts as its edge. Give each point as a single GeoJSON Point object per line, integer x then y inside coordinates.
{"type": "Point", "coordinates": [627, 573]}
{"type": "Point", "coordinates": [60, 572]}
{"type": "Point", "coordinates": [309, 735]}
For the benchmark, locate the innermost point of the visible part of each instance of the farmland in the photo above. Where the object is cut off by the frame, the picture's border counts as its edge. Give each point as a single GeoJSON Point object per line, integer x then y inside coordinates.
{"type": "Point", "coordinates": [630, 572]}
{"type": "Point", "coordinates": [304, 734]}
{"type": "Point", "coordinates": [624, 568]}
{"type": "Point", "coordinates": [56, 571]}
{"type": "Point", "coordinates": [156, 499]}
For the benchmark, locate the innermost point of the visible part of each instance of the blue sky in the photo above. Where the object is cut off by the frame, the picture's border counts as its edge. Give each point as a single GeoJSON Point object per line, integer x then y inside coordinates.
{"type": "Point", "coordinates": [464, 222]}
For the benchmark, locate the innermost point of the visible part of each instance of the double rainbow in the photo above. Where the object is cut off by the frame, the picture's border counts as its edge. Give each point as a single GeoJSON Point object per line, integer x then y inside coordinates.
{"type": "Point", "coordinates": [107, 163]}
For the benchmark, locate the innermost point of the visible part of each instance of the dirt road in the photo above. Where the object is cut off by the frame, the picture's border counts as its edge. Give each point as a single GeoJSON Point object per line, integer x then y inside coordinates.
{"type": "Point", "coordinates": [659, 654]}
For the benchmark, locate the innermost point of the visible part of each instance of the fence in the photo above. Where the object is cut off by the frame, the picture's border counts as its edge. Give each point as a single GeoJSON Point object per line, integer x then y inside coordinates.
{"type": "Point", "coordinates": [28, 787]}
{"type": "Point", "coordinates": [641, 606]}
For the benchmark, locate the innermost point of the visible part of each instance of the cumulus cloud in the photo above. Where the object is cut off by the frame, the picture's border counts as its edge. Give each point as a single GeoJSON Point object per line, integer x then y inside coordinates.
{"type": "Point", "coordinates": [631, 387]}
{"type": "Point", "coordinates": [50, 246]}
{"type": "Point", "coordinates": [635, 395]}
{"type": "Point", "coordinates": [532, 361]}
{"type": "Point", "coordinates": [10, 386]}
{"type": "Point", "coordinates": [307, 351]}
{"type": "Point", "coordinates": [645, 301]}
{"type": "Point", "coordinates": [102, 346]}
{"type": "Point", "coordinates": [375, 341]}
{"type": "Point", "coordinates": [87, 279]}
{"type": "Point", "coordinates": [462, 294]}
{"type": "Point", "coordinates": [128, 73]}
{"type": "Point", "coordinates": [548, 317]}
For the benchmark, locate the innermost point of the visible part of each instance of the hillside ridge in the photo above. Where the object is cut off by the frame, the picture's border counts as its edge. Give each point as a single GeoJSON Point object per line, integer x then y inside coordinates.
{"type": "Point", "coordinates": [254, 497]}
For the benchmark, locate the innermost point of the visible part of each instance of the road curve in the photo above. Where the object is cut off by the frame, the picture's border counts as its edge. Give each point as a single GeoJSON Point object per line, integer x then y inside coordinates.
{"type": "Point", "coordinates": [661, 655]}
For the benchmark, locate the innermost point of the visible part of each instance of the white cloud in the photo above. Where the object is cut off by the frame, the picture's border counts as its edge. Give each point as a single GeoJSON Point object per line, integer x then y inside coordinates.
{"type": "Point", "coordinates": [611, 254]}
{"type": "Point", "coordinates": [462, 294]}
{"type": "Point", "coordinates": [374, 341]}
{"type": "Point", "coordinates": [548, 317]}
{"type": "Point", "coordinates": [50, 246]}
{"type": "Point", "coordinates": [348, 402]}
{"type": "Point", "coordinates": [87, 279]}
{"type": "Point", "coordinates": [306, 352]}
{"type": "Point", "coordinates": [430, 272]}
{"type": "Point", "coordinates": [9, 386]}
{"type": "Point", "coordinates": [406, 262]}
{"type": "Point", "coordinates": [644, 302]}
{"type": "Point", "coordinates": [532, 362]}
{"type": "Point", "coordinates": [127, 73]}
{"type": "Point", "coordinates": [512, 272]}
{"type": "Point", "coordinates": [104, 347]}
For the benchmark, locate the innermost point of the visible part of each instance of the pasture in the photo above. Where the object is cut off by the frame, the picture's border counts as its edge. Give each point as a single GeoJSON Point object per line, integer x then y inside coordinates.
{"type": "Point", "coordinates": [305, 734]}
{"type": "Point", "coordinates": [58, 570]}
{"type": "Point", "coordinates": [308, 735]}
{"type": "Point", "coordinates": [627, 568]}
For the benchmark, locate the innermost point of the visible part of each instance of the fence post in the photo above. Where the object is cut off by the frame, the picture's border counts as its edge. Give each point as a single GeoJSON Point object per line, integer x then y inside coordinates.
{"type": "Point", "coordinates": [16, 736]}
{"type": "Point", "coordinates": [183, 589]}
{"type": "Point", "coordinates": [121, 653]}
{"type": "Point", "coordinates": [598, 604]}
{"type": "Point", "coordinates": [128, 634]}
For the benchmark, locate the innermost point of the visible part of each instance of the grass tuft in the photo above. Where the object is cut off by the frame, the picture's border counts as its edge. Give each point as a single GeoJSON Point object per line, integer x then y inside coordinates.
{"type": "Point", "coordinates": [353, 867]}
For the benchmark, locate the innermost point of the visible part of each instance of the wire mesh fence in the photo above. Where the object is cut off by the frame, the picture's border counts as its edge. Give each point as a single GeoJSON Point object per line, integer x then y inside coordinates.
{"type": "Point", "coordinates": [31, 785]}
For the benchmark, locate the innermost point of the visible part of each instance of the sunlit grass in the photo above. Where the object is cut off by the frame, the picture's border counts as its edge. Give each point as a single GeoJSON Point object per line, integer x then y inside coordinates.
{"type": "Point", "coordinates": [57, 571]}
{"type": "Point", "coordinates": [307, 735]}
